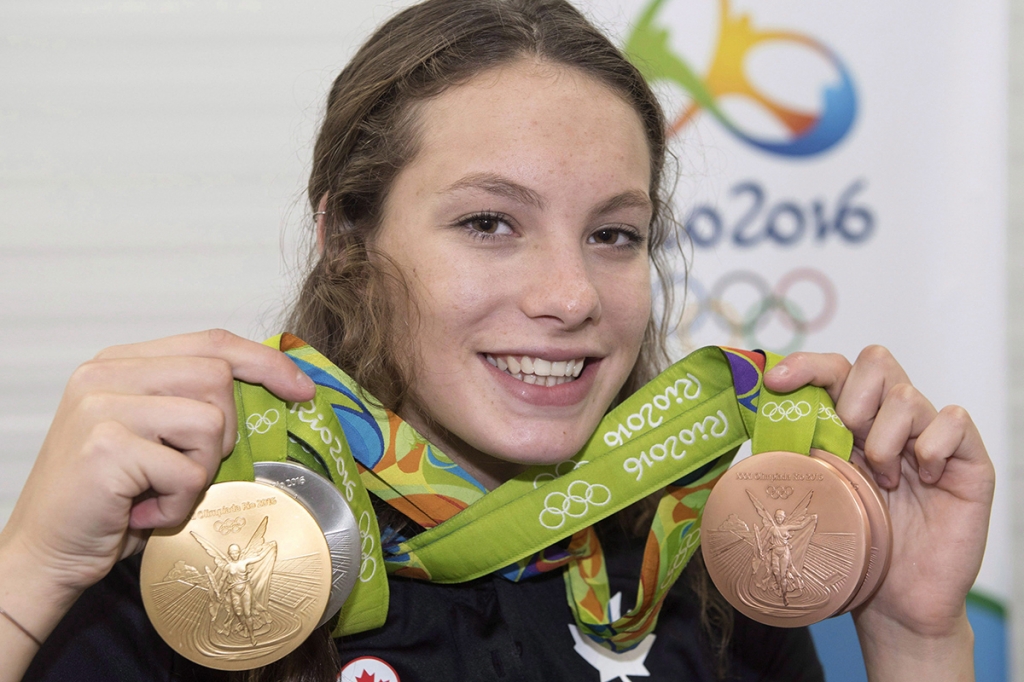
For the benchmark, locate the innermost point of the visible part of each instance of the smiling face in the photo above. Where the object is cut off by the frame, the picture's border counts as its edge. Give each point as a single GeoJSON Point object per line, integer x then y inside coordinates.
{"type": "Point", "coordinates": [521, 227]}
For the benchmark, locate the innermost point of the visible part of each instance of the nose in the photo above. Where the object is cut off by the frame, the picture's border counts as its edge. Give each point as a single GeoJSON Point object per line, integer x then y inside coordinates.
{"type": "Point", "coordinates": [560, 286]}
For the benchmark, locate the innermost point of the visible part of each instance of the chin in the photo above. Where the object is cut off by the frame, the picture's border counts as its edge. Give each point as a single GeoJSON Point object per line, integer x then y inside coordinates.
{"type": "Point", "coordinates": [534, 451]}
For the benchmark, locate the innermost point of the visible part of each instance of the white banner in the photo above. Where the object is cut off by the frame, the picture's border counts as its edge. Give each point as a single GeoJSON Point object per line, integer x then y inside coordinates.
{"type": "Point", "coordinates": [842, 176]}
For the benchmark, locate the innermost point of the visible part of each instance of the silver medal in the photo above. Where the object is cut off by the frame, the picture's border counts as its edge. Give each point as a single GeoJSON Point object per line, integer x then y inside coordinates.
{"type": "Point", "coordinates": [328, 507]}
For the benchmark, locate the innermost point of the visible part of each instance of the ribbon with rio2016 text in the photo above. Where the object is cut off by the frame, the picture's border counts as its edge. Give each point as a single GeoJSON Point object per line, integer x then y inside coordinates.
{"type": "Point", "coordinates": [677, 435]}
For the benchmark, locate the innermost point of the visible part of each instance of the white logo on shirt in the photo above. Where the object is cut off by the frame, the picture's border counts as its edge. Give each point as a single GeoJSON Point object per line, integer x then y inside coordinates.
{"type": "Point", "coordinates": [611, 665]}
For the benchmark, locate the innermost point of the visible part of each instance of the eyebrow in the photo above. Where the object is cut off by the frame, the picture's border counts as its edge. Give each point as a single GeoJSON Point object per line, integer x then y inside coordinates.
{"type": "Point", "coordinates": [496, 184]}
{"type": "Point", "coordinates": [503, 187]}
{"type": "Point", "coordinates": [632, 198]}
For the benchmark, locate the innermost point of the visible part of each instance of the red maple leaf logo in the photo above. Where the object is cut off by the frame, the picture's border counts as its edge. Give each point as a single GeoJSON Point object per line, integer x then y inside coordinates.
{"type": "Point", "coordinates": [365, 677]}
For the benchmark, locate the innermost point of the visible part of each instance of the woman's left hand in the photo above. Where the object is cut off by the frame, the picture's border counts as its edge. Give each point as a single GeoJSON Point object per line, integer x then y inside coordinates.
{"type": "Point", "coordinates": [938, 480]}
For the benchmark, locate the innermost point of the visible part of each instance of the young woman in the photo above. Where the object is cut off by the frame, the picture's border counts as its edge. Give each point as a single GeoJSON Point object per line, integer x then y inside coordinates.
{"type": "Point", "coordinates": [487, 193]}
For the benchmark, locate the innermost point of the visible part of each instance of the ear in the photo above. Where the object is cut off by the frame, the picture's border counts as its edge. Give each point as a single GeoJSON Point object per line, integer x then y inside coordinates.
{"type": "Point", "coordinates": [321, 223]}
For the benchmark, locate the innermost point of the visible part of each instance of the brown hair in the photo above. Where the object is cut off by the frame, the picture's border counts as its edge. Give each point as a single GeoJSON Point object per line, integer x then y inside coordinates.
{"type": "Point", "coordinates": [347, 306]}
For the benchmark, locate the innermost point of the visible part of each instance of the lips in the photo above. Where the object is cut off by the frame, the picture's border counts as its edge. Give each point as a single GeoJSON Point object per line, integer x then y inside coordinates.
{"type": "Point", "coordinates": [537, 371]}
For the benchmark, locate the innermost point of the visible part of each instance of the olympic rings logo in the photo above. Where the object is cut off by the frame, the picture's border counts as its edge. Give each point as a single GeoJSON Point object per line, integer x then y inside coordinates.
{"type": "Point", "coordinates": [561, 469]}
{"type": "Point", "coordinates": [744, 306]}
{"type": "Point", "coordinates": [779, 492]}
{"type": "Point", "coordinates": [228, 526]}
{"type": "Point", "coordinates": [261, 423]}
{"type": "Point", "coordinates": [787, 409]}
{"type": "Point", "coordinates": [689, 544]}
{"type": "Point", "coordinates": [826, 413]}
{"type": "Point", "coordinates": [366, 547]}
{"type": "Point", "coordinates": [573, 503]}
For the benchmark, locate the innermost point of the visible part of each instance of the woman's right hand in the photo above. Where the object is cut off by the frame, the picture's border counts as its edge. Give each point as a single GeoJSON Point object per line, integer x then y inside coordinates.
{"type": "Point", "coordinates": [138, 435]}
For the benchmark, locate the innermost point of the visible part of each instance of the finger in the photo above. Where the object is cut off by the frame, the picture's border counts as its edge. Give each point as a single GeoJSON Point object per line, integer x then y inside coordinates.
{"type": "Point", "coordinates": [904, 414]}
{"type": "Point", "coordinates": [200, 378]}
{"type": "Point", "coordinates": [174, 482]}
{"type": "Point", "coordinates": [826, 370]}
{"type": "Point", "coordinates": [952, 435]}
{"type": "Point", "coordinates": [208, 380]}
{"type": "Point", "coordinates": [872, 376]}
{"type": "Point", "coordinates": [250, 361]}
{"type": "Point", "coordinates": [121, 466]}
{"type": "Point", "coordinates": [196, 429]}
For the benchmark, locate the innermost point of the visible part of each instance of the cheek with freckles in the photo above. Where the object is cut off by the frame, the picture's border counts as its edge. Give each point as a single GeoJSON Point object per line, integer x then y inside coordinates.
{"type": "Point", "coordinates": [456, 313]}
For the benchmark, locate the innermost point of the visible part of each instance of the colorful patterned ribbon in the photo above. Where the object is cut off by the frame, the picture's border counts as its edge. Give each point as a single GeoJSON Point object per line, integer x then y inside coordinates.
{"type": "Point", "coordinates": [677, 434]}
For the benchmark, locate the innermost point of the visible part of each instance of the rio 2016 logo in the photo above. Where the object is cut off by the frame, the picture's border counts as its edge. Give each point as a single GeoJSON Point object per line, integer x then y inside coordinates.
{"type": "Point", "coordinates": [808, 134]}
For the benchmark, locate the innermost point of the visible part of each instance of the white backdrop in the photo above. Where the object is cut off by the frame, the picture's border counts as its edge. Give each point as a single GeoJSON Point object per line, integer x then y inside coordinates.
{"type": "Point", "coordinates": [894, 234]}
{"type": "Point", "coordinates": [843, 177]}
{"type": "Point", "coordinates": [153, 154]}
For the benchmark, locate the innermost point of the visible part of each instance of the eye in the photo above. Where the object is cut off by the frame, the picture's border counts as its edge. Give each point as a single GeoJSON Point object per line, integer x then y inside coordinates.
{"type": "Point", "coordinates": [616, 236]}
{"type": "Point", "coordinates": [485, 225]}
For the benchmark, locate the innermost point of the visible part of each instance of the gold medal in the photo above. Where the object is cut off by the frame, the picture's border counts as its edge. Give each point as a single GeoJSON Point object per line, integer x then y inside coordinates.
{"type": "Point", "coordinates": [785, 538]}
{"type": "Point", "coordinates": [243, 582]}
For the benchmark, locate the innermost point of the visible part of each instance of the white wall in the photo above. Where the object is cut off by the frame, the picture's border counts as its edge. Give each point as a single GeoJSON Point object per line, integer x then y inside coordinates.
{"type": "Point", "coordinates": [152, 159]}
{"type": "Point", "coordinates": [1015, 316]}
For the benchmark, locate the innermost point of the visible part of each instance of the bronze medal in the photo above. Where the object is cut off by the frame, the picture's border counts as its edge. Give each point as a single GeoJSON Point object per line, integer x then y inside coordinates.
{"type": "Point", "coordinates": [785, 538]}
{"type": "Point", "coordinates": [878, 518]}
{"type": "Point", "coordinates": [243, 582]}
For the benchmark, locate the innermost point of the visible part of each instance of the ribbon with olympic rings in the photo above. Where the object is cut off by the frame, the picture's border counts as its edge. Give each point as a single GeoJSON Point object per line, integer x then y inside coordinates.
{"type": "Point", "coordinates": [789, 410]}
{"type": "Point", "coordinates": [677, 434]}
{"type": "Point", "coordinates": [261, 422]}
{"type": "Point", "coordinates": [310, 434]}
{"type": "Point", "coordinates": [574, 503]}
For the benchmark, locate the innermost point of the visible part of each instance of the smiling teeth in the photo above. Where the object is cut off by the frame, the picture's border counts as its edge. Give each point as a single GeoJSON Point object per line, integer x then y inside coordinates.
{"type": "Point", "coordinates": [537, 371]}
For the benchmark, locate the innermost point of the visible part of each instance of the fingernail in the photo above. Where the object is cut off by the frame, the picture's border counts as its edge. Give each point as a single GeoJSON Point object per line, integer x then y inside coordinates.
{"type": "Point", "coordinates": [304, 381]}
{"type": "Point", "coordinates": [925, 475]}
{"type": "Point", "coordinates": [883, 481]}
{"type": "Point", "coordinates": [778, 372]}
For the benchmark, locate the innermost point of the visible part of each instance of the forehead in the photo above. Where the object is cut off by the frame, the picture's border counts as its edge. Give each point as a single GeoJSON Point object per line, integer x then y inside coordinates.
{"type": "Point", "coordinates": [536, 121]}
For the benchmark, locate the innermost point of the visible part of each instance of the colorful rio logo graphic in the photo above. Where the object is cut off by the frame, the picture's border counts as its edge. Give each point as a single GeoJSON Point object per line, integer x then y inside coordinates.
{"type": "Point", "coordinates": [808, 133]}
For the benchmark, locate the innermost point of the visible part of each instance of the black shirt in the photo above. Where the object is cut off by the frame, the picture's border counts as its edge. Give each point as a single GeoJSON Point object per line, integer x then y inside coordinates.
{"type": "Point", "coordinates": [487, 629]}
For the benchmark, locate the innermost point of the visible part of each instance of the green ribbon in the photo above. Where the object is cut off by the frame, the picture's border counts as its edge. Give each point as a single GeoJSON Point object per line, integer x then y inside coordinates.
{"type": "Point", "coordinates": [687, 422]}
{"type": "Point", "coordinates": [271, 430]}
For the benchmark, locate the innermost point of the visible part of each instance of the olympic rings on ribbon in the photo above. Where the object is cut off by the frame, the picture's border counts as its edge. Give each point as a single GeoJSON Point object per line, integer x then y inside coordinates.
{"type": "Point", "coordinates": [573, 503]}
{"type": "Point", "coordinates": [787, 409]}
{"type": "Point", "coordinates": [366, 545]}
{"type": "Point", "coordinates": [826, 413]}
{"type": "Point", "coordinates": [261, 423]}
{"type": "Point", "coordinates": [561, 469]}
{"type": "Point", "coordinates": [726, 305]}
